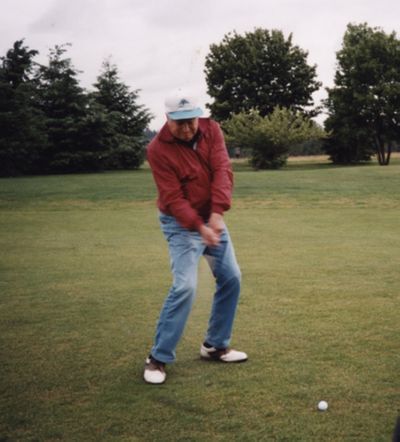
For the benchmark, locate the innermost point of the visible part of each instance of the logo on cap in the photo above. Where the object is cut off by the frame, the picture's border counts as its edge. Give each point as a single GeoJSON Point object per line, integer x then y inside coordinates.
{"type": "Point", "coordinates": [183, 102]}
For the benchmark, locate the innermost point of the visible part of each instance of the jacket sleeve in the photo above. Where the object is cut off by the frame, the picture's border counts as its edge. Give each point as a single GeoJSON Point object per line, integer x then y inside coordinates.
{"type": "Point", "coordinates": [170, 192]}
{"type": "Point", "coordinates": [222, 183]}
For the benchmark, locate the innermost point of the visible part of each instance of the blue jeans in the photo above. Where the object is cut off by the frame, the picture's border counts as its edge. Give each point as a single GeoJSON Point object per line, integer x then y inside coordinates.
{"type": "Point", "coordinates": [185, 249]}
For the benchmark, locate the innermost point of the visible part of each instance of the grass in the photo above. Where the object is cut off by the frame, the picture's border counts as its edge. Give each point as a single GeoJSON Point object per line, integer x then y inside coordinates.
{"type": "Point", "coordinates": [84, 270]}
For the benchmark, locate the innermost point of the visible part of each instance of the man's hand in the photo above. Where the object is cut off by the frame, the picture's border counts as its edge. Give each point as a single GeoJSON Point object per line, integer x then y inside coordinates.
{"type": "Point", "coordinates": [216, 223]}
{"type": "Point", "coordinates": [210, 238]}
{"type": "Point", "coordinates": [212, 232]}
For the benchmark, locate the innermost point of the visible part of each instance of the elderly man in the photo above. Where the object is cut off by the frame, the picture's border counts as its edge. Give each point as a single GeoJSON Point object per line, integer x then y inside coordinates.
{"type": "Point", "coordinates": [192, 171]}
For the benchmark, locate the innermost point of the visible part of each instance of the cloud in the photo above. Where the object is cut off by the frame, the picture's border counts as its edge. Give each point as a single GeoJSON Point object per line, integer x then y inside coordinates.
{"type": "Point", "coordinates": [158, 45]}
{"type": "Point", "coordinates": [74, 19]}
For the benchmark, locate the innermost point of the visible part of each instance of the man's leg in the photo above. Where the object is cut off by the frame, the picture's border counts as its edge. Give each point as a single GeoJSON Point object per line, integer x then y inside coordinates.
{"type": "Point", "coordinates": [185, 249]}
{"type": "Point", "coordinates": [226, 271]}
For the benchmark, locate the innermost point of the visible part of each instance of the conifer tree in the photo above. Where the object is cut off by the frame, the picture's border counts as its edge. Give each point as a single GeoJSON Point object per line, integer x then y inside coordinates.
{"type": "Point", "coordinates": [125, 120]}
{"type": "Point", "coordinates": [22, 131]}
{"type": "Point", "coordinates": [64, 103]}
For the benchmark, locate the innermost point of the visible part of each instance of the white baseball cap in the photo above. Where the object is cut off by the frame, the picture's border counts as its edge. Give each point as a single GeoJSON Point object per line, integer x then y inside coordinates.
{"type": "Point", "coordinates": [181, 104]}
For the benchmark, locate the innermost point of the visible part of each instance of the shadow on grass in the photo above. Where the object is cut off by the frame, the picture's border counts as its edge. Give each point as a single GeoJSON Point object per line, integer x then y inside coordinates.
{"type": "Point", "coordinates": [296, 164]}
{"type": "Point", "coordinates": [322, 166]}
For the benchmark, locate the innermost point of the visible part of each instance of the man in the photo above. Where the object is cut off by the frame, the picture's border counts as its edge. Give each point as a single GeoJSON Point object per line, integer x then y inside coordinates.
{"type": "Point", "coordinates": [192, 171]}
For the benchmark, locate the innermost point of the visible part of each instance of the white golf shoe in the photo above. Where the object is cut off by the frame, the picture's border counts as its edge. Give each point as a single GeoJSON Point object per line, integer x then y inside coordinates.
{"type": "Point", "coordinates": [154, 371]}
{"type": "Point", "coordinates": [223, 355]}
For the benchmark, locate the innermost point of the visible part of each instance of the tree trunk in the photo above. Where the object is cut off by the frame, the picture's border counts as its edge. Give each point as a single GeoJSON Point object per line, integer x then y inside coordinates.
{"type": "Point", "coordinates": [389, 152]}
{"type": "Point", "coordinates": [383, 150]}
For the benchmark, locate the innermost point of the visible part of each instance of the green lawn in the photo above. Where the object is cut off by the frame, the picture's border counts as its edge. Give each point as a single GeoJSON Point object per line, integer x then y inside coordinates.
{"type": "Point", "coordinates": [84, 270]}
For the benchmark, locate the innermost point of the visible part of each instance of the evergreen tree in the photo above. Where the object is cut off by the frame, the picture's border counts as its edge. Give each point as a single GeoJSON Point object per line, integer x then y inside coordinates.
{"type": "Point", "coordinates": [49, 123]}
{"type": "Point", "coordinates": [149, 134]}
{"type": "Point", "coordinates": [125, 120]}
{"type": "Point", "coordinates": [65, 106]}
{"type": "Point", "coordinates": [22, 131]}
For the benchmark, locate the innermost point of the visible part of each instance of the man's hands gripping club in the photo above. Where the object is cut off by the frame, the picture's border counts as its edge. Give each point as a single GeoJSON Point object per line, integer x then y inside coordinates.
{"type": "Point", "coordinates": [211, 233]}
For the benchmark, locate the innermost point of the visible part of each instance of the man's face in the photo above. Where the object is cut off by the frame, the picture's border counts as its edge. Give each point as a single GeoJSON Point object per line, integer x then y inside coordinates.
{"type": "Point", "coordinates": [184, 130]}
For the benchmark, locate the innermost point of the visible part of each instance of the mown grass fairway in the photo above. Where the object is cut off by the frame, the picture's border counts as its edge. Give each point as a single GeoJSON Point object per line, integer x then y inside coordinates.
{"type": "Point", "coordinates": [84, 271]}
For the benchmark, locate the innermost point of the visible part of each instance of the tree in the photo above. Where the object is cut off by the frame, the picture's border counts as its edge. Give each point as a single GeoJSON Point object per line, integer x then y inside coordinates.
{"type": "Point", "coordinates": [49, 123]}
{"type": "Point", "coordinates": [22, 132]}
{"type": "Point", "coordinates": [64, 104]}
{"type": "Point", "coordinates": [270, 138]}
{"type": "Point", "coordinates": [260, 70]}
{"type": "Point", "coordinates": [149, 134]}
{"type": "Point", "coordinates": [125, 120]}
{"type": "Point", "coordinates": [364, 104]}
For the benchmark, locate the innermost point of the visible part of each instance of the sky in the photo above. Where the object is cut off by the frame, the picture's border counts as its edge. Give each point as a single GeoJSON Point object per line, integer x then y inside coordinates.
{"type": "Point", "coordinates": [161, 45]}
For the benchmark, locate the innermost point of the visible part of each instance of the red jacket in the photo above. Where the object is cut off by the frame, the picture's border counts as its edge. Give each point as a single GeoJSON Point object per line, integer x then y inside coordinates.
{"type": "Point", "coordinates": [192, 182]}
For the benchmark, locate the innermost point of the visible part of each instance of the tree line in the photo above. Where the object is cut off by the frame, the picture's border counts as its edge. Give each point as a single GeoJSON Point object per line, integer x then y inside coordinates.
{"type": "Point", "coordinates": [261, 86]}
{"type": "Point", "coordinates": [50, 124]}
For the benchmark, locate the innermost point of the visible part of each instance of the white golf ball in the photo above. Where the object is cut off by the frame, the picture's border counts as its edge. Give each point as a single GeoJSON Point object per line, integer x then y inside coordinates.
{"type": "Point", "coordinates": [322, 406]}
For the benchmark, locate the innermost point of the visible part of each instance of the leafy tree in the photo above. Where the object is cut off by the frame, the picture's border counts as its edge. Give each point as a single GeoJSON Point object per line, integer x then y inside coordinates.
{"type": "Point", "coordinates": [22, 134]}
{"type": "Point", "coordinates": [125, 120]}
{"type": "Point", "coordinates": [363, 106]}
{"type": "Point", "coordinates": [259, 70]}
{"type": "Point", "coordinates": [270, 138]}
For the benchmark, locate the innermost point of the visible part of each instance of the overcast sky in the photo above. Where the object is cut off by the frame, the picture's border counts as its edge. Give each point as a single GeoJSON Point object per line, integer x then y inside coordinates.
{"type": "Point", "coordinates": [160, 45]}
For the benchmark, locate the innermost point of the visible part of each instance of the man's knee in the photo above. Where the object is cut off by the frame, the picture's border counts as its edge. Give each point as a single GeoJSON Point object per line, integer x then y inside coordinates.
{"type": "Point", "coordinates": [185, 287]}
{"type": "Point", "coordinates": [232, 277]}
{"type": "Point", "coordinates": [236, 276]}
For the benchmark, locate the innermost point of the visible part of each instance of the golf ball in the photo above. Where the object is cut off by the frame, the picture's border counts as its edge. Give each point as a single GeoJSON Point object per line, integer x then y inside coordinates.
{"type": "Point", "coordinates": [322, 406]}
